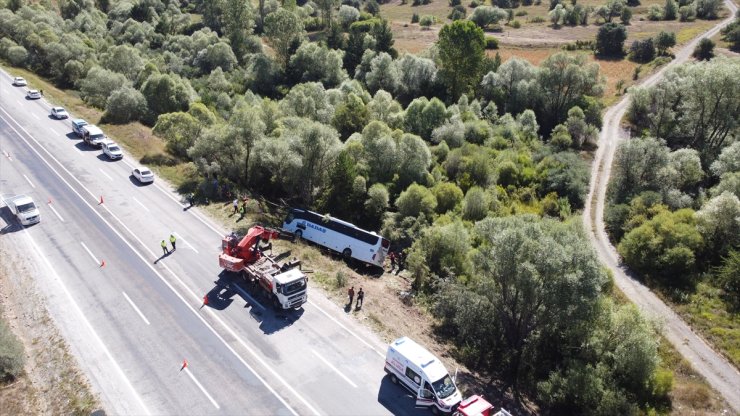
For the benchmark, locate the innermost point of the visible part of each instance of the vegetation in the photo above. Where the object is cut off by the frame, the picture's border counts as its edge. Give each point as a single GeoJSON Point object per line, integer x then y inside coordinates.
{"type": "Point", "coordinates": [12, 357]}
{"type": "Point", "coordinates": [674, 204]}
{"type": "Point", "coordinates": [471, 166]}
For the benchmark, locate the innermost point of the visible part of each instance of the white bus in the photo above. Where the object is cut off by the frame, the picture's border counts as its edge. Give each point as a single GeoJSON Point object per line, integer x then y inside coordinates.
{"type": "Point", "coordinates": [337, 235]}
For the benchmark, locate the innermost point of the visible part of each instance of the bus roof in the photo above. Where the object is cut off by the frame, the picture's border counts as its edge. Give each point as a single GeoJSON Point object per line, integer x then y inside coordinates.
{"type": "Point", "coordinates": [337, 220]}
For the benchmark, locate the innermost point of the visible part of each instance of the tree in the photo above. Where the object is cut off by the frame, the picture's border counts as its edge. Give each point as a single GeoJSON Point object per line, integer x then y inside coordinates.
{"type": "Point", "coordinates": [670, 12]}
{"type": "Point", "coordinates": [327, 7]}
{"type": "Point", "coordinates": [731, 34]}
{"type": "Point", "coordinates": [350, 116]}
{"type": "Point", "coordinates": [637, 167]}
{"type": "Point", "coordinates": [664, 41]}
{"type": "Point", "coordinates": [728, 160]}
{"type": "Point", "coordinates": [416, 199]}
{"type": "Point", "coordinates": [448, 196]}
{"type": "Point", "coordinates": [99, 84]}
{"type": "Point", "coordinates": [427, 21]}
{"type": "Point", "coordinates": [238, 21]}
{"type": "Point", "coordinates": [626, 16]}
{"type": "Point", "coordinates": [125, 60]}
{"type": "Point", "coordinates": [475, 204]}
{"type": "Point", "coordinates": [664, 247]}
{"type": "Point", "coordinates": [383, 36]}
{"type": "Point", "coordinates": [416, 75]}
{"type": "Point", "coordinates": [282, 29]}
{"type": "Point", "coordinates": [719, 223]}
{"type": "Point", "coordinates": [708, 9]}
{"type": "Point", "coordinates": [642, 50]}
{"type": "Point", "coordinates": [12, 357]}
{"type": "Point", "coordinates": [383, 75]}
{"type": "Point", "coordinates": [249, 129]}
{"type": "Point", "coordinates": [704, 50]}
{"type": "Point", "coordinates": [124, 105]}
{"type": "Point", "coordinates": [728, 277]}
{"type": "Point", "coordinates": [461, 47]}
{"type": "Point", "coordinates": [376, 202]}
{"type": "Point", "coordinates": [179, 131]}
{"type": "Point", "coordinates": [348, 15]}
{"type": "Point", "coordinates": [313, 62]}
{"type": "Point", "coordinates": [484, 16]}
{"type": "Point", "coordinates": [337, 199]}
{"type": "Point", "coordinates": [566, 174]}
{"type": "Point", "coordinates": [166, 94]}
{"type": "Point", "coordinates": [610, 40]}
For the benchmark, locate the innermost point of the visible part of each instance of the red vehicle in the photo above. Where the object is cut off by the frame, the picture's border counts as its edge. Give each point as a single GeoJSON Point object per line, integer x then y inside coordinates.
{"type": "Point", "coordinates": [478, 406]}
{"type": "Point", "coordinates": [285, 284]}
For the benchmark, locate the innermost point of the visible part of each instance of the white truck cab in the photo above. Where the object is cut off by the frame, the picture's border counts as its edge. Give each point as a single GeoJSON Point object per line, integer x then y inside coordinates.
{"type": "Point", "coordinates": [23, 207]}
{"type": "Point", "coordinates": [411, 365]}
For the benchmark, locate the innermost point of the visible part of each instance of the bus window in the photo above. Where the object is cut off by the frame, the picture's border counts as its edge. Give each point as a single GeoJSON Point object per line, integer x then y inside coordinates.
{"type": "Point", "coordinates": [289, 218]}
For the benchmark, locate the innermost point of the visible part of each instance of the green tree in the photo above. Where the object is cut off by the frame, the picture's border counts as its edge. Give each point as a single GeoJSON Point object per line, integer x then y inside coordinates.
{"type": "Point", "coordinates": [124, 105]}
{"type": "Point", "coordinates": [610, 40]}
{"type": "Point", "coordinates": [448, 196]}
{"type": "Point", "coordinates": [475, 204]}
{"type": "Point", "coordinates": [179, 131]}
{"type": "Point", "coordinates": [327, 7]}
{"type": "Point", "coordinates": [719, 223]}
{"type": "Point", "coordinates": [249, 129]}
{"type": "Point", "coordinates": [376, 203]}
{"type": "Point", "coordinates": [664, 41]}
{"type": "Point", "coordinates": [166, 94]}
{"type": "Point", "coordinates": [728, 277]}
{"type": "Point", "coordinates": [282, 29]}
{"type": "Point", "coordinates": [350, 116]}
{"type": "Point", "coordinates": [99, 84]}
{"type": "Point", "coordinates": [670, 12]}
{"type": "Point", "coordinates": [704, 50]}
{"type": "Point", "coordinates": [416, 199]}
{"type": "Point", "coordinates": [461, 48]}
{"type": "Point", "coordinates": [12, 358]}
{"type": "Point", "coordinates": [338, 199]}
{"type": "Point", "coordinates": [664, 247]}
{"type": "Point", "coordinates": [731, 33]}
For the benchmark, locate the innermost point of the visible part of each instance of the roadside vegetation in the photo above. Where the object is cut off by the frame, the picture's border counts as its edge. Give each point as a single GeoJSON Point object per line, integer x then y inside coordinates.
{"type": "Point", "coordinates": [473, 166]}
{"type": "Point", "coordinates": [674, 211]}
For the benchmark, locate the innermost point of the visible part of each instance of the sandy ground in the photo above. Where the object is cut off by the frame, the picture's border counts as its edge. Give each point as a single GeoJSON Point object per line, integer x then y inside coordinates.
{"type": "Point", "coordinates": [53, 383]}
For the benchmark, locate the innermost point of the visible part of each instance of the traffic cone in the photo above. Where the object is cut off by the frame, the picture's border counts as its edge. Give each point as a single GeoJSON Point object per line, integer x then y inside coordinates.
{"type": "Point", "coordinates": [184, 365]}
{"type": "Point", "coordinates": [49, 201]}
{"type": "Point", "coordinates": [102, 263]}
{"type": "Point", "coordinates": [205, 300]}
{"type": "Point", "coordinates": [101, 200]}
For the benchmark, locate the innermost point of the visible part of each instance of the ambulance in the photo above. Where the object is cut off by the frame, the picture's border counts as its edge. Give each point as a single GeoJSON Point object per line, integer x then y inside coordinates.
{"type": "Point", "coordinates": [412, 366]}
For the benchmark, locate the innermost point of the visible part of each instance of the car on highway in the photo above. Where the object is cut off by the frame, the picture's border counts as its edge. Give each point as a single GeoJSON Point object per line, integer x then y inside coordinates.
{"type": "Point", "coordinates": [23, 207]}
{"type": "Point", "coordinates": [77, 125]}
{"type": "Point", "coordinates": [143, 175]}
{"type": "Point", "coordinates": [59, 113]}
{"type": "Point", "coordinates": [19, 82]}
{"type": "Point", "coordinates": [33, 94]}
{"type": "Point", "coordinates": [112, 150]}
{"type": "Point", "coordinates": [92, 135]}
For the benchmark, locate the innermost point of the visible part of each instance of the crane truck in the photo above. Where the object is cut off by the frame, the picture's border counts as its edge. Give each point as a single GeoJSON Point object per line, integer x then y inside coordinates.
{"type": "Point", "coordinates": [285, 284]}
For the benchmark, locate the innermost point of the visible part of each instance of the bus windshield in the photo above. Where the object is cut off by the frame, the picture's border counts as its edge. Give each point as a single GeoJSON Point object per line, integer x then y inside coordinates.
{"type": "Point", "coordinates": [444, 387]}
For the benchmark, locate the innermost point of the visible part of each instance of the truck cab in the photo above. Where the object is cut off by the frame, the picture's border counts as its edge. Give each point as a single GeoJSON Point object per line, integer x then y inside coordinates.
{"type": "Point", "coordinates": [413, 367]}
{"type": "Point", "coordinates": [93, 136]}
{"type": "Point", "coordinates": [77, 125]}
{"type": "Point", "coordinates": [23, 207]}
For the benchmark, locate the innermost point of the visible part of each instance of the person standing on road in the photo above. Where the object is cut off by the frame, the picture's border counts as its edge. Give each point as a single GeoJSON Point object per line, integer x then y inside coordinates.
{"type": "Point", "coordinates": [360, 298]}
{"type": "Point", "coordinates": [172, 241]}
{"type": "Point", "coordinates": [164, 247]}
{"type": "Point", "coordinates": [351, 294]}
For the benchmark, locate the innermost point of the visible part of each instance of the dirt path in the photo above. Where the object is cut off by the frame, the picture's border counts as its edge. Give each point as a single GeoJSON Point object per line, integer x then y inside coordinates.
{"type": "Point", "coordinates": [718, 372]}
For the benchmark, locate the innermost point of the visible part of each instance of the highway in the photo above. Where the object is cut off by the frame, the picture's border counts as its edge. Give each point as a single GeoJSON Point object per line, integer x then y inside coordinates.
{"type": "Point", "coordinates": [134, 318]}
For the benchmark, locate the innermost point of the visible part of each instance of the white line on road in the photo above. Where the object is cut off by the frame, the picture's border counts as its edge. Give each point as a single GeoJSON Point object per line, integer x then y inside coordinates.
{"type": "Point", "coordinates": [345, 328]}
{"type": "Point", "coordinates": [37, 117]}
{"type": "Point", "coordinates": [244, 293]}
{"type": "Point", "coordinates": [335, 369]}
{"type": "Point", "coordinates": [135, 308]}
{"type": "Point", "coordinates": [19, 102]}
{"type": "Point", "coordinates": [231, 332]}
{"type": "Point", "coordinates": [96, 337]}
{"type": "Point", "coordinates": [105, 174]}
{"type": "Point", "coordinates": [89, 252]}
{"type": "Point", "coordinates": [187, 371]}
{"type": "Point", "coordinates": [53, 131]}
{"type": "Point", "coordinates": [179, 237]}
{"type": "Point", "coordinates": [57, 214]}
{"type": "Point", "coordinates": [29, 182]}
{"type": "Point", "coordinates": [142, 205]}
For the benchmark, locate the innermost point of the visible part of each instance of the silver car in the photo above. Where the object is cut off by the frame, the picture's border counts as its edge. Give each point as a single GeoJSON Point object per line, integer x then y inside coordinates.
{"type": "Point", "coordinates": [33, 95]}
{"type": "Point", "coordinates": [143, 175]}
{"type": "Point", "coordinates": [59, 113]}
{"type": "Point", "coordinates": [19, 82]}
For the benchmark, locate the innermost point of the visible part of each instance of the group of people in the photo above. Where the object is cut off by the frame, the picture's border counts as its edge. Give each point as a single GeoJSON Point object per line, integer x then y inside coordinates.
{"type": "Point", "coordinates": [242, 210]}
{"type": "Point", "coordinates": [398, 261]}
{"type": "Point", "coordinates": [360, 297]}
{"type": "Point", "coordinates": [173, 240]}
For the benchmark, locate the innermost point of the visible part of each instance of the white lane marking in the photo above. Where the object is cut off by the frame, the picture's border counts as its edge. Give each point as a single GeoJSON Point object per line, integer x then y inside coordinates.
{"type": "Point", "coordinates": [135, 308]}
{"type": "Point", "coordinates": [179, 237]}
{"type": "Point", "coordinates": [105, 174]}
{"type": "Point", "coordinates": [244, 293]}
{"type": "Point", "coordinates": [336, 370]}
{"type": "Point", "coordinates": [37, 117]}
{"type": "Point", "coordinates": [55, 212]}
{"type": "Point", "coordinates": [346, 329]}
{"type": "Point", "coordinates": [159, 275]}
{"type": "Point", "coordinates": [83, 318]}
{"type": "Point", "coordinates": [19, 102]}
{"type": "Point", "coordinates": [90, 253]}
{"type": "Point", "coordinates": [142, 205]}
{"type": "Point", "coordinates": [200, 386]}
{"type": "Point", "coordinates": [29, 182]}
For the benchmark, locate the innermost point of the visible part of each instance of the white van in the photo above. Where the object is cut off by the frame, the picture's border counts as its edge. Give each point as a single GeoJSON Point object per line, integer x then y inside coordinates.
{"type": "Point", "coordinates": [423, 374]}
{"type": "Point", "coordinates": [93, 136]}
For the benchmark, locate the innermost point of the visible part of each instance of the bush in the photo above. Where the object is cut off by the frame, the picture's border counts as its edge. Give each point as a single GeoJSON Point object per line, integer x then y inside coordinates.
{"type": "Point", "coordinates": [655, 13]}
{"type": "Point", "coordinates": [426, 21]}
{"type": "Point", "coordinates": [17, 55]}
{"type": "Point", "coordinates": [415, 200]}
{"type": "Point", "coordinates": [11, 354]}
{"type": "Point", "coordinates": [642, 50]}
{"type": "Point", "coordinates": [687, 13]}
{"type": "Point", "coordinates": [491, 42]}
{"type": "Point", "coordinates": [610, 40]}
{"type": "Point", "coordinates": [415, 18]}
{"type": "Point", "coordinates": [704, 50]}
{"type": "Point", "coordinates": [158, 159]}
{"type": "Point", "coordinates": [515, 24]}
{"type": "Point", "coordinates": [124, 105]}
{"type": "Point", "coordinates": [457, 13]}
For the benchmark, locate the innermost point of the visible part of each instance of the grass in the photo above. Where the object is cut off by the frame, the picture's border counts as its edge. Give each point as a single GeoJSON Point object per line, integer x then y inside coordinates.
{"type": "Point", "coordinates": [709, 314]}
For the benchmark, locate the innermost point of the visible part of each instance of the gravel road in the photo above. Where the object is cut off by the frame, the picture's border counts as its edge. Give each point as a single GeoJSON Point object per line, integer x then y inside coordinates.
{"type": "Point", "coordinates": [718, 372]}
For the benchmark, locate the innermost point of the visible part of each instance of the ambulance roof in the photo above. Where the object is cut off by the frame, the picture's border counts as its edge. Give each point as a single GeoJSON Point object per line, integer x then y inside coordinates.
{"type": "Point", "coordinates": [430, 365]}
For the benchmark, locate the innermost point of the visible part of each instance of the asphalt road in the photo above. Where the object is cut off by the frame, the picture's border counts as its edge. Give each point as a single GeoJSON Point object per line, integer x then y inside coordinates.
{"type": "Point", "coordinates": [133, 321]}
{"type": "Point", "coordinates": [718, 372]}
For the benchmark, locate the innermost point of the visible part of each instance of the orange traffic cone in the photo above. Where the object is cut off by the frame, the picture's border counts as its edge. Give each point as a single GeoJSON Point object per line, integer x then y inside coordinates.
{"type": "Point", "coordinates": [101, 200]}
{"type": "Point", "coordinates": [184, 365]}
{"type": "Point", "coordinates": [49, 201]}
{"type": "Point", "coordinates": [205, 300]}
{"type": "Point", "coordinates": [102, 263]}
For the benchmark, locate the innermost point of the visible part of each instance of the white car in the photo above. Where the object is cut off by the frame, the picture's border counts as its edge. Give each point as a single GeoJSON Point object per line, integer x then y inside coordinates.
{"type": "Point", "coordinates": [112, 150]}
{"type": "Point", "coordinates": [24, 209]}
{"type": "Point", "coordinates": [143, 175]}
{"type": "Point", "coordinates": [59, 113]}
{"type": "Point", "coordinates": [19, 82]}
{"type": "Point", "coordinates": [33, 94]}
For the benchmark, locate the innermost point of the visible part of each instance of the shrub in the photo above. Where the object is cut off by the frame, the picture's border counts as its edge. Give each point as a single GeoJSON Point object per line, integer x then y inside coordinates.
{"type": "Point", "coordinates": [610, 40]}
{"type": "Point", "coordinates": [17, 55]}
{"type": "Point", "coordinates": [457, 13]}
{"type": "Point", "coordinates": [537, 19]}
{"type": "Point", "coordinates": [415, 18]}
{"type": "Point", "coordinates": [642, 50]}
{"type": "Point", "coordinates": [491, 42]}
{"type": "Point", "coordinates": [687, 13]}
{"type": "Point", "coordinates": [426, 21]}
{"type": "Point", "coordinates": [515, 24]}
{"type": "Point", "coordinates": [704, 50]}
{"type": "Point", "coordinates": [11, 354]}
{"type": "Point", "coordinates": [124, 105]}
{"type": "Point", "coordinates": [655, 13]}
{"type": "Point", "coordinates": [158, 159]}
